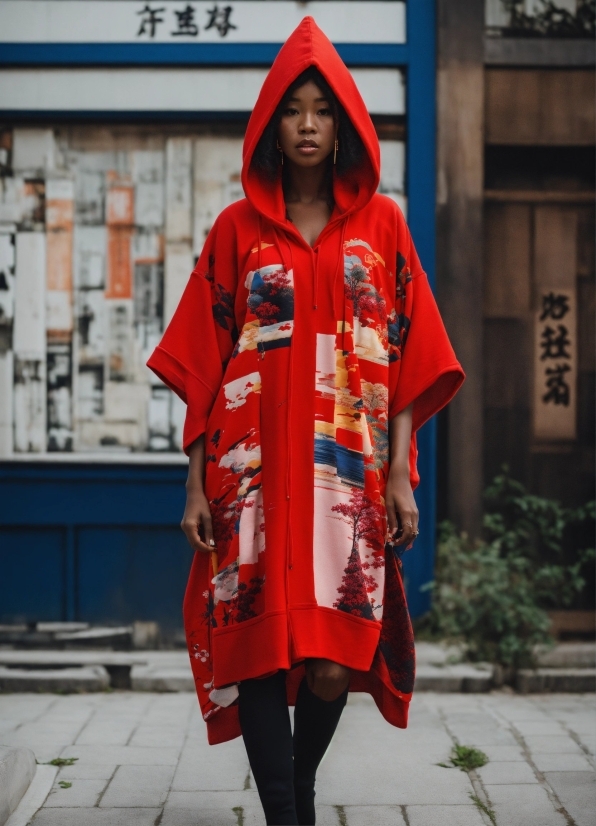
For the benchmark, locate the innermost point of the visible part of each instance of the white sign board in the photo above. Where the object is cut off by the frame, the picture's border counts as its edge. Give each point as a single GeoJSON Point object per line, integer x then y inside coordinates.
{"type": "Point", "coordinates": [198, 21]}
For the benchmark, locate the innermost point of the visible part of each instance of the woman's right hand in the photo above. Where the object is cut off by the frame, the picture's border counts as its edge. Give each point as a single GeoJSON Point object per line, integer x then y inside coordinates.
{"type": "Point", "coordinates": [196, 522]}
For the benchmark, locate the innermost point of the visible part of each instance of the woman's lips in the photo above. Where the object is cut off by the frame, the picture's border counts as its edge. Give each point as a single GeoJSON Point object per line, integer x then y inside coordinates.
{"type": "Point", "coordinates": [307, 149]}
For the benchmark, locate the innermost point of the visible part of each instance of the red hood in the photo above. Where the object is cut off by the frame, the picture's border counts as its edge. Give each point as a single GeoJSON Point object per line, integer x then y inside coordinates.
{"type": "Point", "coordinates": [309, 46]}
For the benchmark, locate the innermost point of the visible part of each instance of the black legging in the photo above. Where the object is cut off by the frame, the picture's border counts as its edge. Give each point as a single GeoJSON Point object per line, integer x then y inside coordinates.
{"type": "Point", "coordinates": [284, 767]}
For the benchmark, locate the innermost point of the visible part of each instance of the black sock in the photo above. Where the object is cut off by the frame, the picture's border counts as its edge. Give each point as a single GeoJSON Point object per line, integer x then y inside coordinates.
{"type": "Point", "coordinates": [267, 734]}
{"type": "Point", "coordinates": [315, 721]}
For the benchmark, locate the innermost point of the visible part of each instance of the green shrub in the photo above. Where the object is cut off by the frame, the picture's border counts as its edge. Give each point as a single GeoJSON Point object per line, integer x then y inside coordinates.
{"type": "Point", "coordinates": [492, 594]}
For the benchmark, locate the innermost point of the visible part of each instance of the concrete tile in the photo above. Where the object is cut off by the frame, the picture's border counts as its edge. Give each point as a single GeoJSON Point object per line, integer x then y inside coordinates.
{"type": "Point", "coordinates": [577, 793]}
{"type": "Point", "coordinates": [138, 786]}
{"type": "Point", "coordinates": [106, 733]}
{"type": "Point", "coordinates": [123, 755]}
{"type": "Point", "coordinates": [223, 768]}
{"type": "Point", "coordinates": [158, 735]}
{"type": "Point", "coordinates": [539, 727]}
{"type": "Point", "coordinates": [512, 754]}
{"type": "Point", "coordinates": [198, 801]}
{"type": "Point", "coordinates": [552, 744]}
{"type": "Point", "coordinates": [87, 771]}
{"type": "Point", "coordinates": [95, 817]}
{"type": "Point", "coordinates": [509, 773]}
{"type": "Point", "coordinates": [444, 816]}
{"type": "Point", "coordinates": [561, 762]}
{"type": "Point", "coordinates": [252, 816]}
{"type": "Point", "coordinates": [82, 793]}
{"type": "Point", "coordinates": [328, 816]}
{"type": "Point", "coordinates": [523, 806]}
{"type": "Point", "coordinates": [369, 815]}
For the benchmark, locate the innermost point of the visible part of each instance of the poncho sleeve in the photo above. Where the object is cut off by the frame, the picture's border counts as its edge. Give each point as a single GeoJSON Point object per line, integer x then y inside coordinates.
{"type": "Point", "coordinates": [427, 372]}
{"type": "Point", "coordinates": [197, 343]}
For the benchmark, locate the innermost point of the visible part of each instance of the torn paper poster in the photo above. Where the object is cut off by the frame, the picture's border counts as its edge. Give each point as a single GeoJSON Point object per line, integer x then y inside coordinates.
{"type": "Point", "coordinates": [90, 248]}
{"type": "Point", "coordinates": [89, 388]}
{"type": "Point", "coordinates": [91, 323]}
{"type": "Point", "coordinates": [33, 150]}
{"type": "Point", "coordinates": [29, 333]}
{"type": "Point", "coordinates": [6, 402]}
{"type": "Point", "coordinates": [59, 396]}
{"type": "Point", "coordinates": [179, 264]}
{"type": "Point", "coordinates": [29, 405]}
{"type": "Point", "coordinates": [120, 341]}
{"type": "Point", "coordinates": [179, 189]}
{"type": "Point", "coordinates": [119, 262]}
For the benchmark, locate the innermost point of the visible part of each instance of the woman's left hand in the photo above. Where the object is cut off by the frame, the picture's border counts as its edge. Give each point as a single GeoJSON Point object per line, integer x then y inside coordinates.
{"type": "Point", "coordinates": [402, 513]}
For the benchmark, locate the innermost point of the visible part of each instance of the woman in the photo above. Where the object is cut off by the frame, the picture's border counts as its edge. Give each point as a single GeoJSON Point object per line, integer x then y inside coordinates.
{"type": "Point", "coordinates": [309, 349]}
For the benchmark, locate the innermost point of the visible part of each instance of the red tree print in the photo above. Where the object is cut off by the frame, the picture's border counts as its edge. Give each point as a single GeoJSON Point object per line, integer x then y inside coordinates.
{"type": "Point", "coordinates": [363, 515]}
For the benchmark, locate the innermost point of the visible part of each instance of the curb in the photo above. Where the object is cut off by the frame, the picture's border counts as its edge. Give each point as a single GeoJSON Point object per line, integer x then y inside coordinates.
{"type": "Point", "coordinates": [65, 680]}
{"type": "Point", "coordinates": [34, 797]}
{"type": "Point", "coordinates": [17, 769]}
{"type": "Point", "coordinates": [571, 680]}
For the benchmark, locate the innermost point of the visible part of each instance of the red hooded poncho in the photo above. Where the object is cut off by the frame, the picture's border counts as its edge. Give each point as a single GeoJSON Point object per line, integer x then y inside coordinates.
{"type": "Point", "coordinates": [292, 360]}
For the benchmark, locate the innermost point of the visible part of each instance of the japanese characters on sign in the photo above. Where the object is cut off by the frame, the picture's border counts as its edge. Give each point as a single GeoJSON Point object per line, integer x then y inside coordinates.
{"type": "Point", "coordinates": [185, 20]}
{"type": "Point", "coordinates": [555, 364]}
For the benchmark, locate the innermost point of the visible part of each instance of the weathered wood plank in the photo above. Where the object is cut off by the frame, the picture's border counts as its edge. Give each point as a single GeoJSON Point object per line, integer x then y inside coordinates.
{"type": "Point", "coordinates": [540, 106]}
{"type": "Point", "coordinates": [507, 260]}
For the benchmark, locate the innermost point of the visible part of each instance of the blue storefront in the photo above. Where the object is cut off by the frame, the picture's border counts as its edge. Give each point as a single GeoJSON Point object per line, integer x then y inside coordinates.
{"type": "Point", "coordinates": [111, 124]}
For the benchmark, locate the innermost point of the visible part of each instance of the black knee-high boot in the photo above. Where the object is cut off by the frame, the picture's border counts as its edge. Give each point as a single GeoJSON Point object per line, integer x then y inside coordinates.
{"type": "Point", "coordinates": [267, 734]}
{"type": "Point", "coordinates": [315, 721]}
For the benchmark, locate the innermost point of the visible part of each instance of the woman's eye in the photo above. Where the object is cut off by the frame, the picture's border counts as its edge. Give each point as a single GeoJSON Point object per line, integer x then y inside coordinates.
{"type": "Point", "coordinates": [290, 111]}
{"type": "Point", "coordinates": [325, 111]}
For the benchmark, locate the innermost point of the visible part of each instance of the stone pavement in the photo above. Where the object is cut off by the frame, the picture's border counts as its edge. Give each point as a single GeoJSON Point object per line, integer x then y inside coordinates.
{"type": "Point", "coordinates": [143, 760]}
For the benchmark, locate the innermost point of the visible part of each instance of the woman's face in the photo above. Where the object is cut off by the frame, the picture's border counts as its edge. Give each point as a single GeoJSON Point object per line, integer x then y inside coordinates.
{"type": "Point", "coordinates": [307, 129]}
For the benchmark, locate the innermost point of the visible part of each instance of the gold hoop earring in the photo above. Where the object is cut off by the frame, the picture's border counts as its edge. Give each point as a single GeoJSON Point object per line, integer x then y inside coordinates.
{"type": "Point", "coordinates": [335, 148]}
{"type": "Point", "coordinates": [278, 146]}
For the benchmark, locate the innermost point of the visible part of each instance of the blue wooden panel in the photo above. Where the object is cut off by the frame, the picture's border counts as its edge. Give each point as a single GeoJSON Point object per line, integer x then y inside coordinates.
{"type": "Point", "coordinates": [182, 54]}
{"type": "Point", "coordinates": [88, 494]}
{"type": "Point", "coordinates": [32, 579]}
{"type": "Point", "coordinates": [132, 574]}
{"type": "Point", "coordinates": [421, 175]}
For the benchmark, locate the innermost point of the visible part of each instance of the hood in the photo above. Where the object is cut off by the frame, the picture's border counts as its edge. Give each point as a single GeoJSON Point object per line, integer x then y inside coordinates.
{"type": "Point", "coordinates": [309, 46]}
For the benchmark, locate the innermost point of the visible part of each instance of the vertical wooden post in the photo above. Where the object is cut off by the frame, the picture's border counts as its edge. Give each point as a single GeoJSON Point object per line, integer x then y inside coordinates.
{"type": "Point", "coordinates": [460, 102]}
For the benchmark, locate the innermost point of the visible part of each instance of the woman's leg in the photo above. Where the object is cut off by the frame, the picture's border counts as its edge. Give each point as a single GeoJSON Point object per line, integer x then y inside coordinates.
{"type": "Point", "coordinates": [315, 721]}
{"type": "Point", "coordinates": [267, 734]}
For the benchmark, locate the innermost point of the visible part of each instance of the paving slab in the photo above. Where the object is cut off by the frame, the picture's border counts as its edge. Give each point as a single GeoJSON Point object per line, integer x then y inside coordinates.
{"type": "Point", "coordinates": [217, 768]}
{"type": "Point", "coordinates": [373, 816]}
{"type": "Point", "coordinates": [82, 794]}
{"type": "Point", "coordinates": [523, 806]}
{"type": "Point", "coordinates": [552, 744]}
{"type": "Point", "coordinates": [96, 817]}
{"type": "Point", "coordinates": [251, 816]}
{"type": "Point", "coordinates": [577, 792]}
{"type": "Point", "coordinates": [467, 815]}
{"type": "Point", "coordinates": [138, 787]}
{"type": "Point", "coordinates": [372, 774]}
{"type": "Point", "coordinates": [562, 762]}
{"type": "Point", "coordinates": [507, 773]}
{"type": "Point", "coordinates": [123, 755]}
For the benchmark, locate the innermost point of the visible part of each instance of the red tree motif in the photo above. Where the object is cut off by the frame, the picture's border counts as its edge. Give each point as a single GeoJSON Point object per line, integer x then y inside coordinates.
{"type": "Point", "coordinates": [364, 517]}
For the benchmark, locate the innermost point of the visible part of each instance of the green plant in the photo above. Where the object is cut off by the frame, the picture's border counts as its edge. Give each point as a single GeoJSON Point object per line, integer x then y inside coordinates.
{"type": "Point", "coordinates": [61, 761]}
{"type": "Point", "coordinates": [481, 805]}
{"type": "Point", "coordinates": [492, 594]}
{"type": "Point", "coordinates": [64, 784]}
{"type": "Point", "coordinates": [467, 758]}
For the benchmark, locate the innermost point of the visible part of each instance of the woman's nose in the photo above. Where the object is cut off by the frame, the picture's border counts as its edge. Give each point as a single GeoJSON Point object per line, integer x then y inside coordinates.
{"type": "Point", "coordinates": [307, 124]}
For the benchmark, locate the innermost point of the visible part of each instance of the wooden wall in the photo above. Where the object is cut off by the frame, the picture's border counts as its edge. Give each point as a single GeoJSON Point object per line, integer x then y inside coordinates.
{"type": "Point", "coordinates": [538, 234]}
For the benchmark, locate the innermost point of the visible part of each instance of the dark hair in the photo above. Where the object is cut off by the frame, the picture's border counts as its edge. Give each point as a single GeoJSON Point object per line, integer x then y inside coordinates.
{"type": "Point", "coordinates": [267, 158]}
